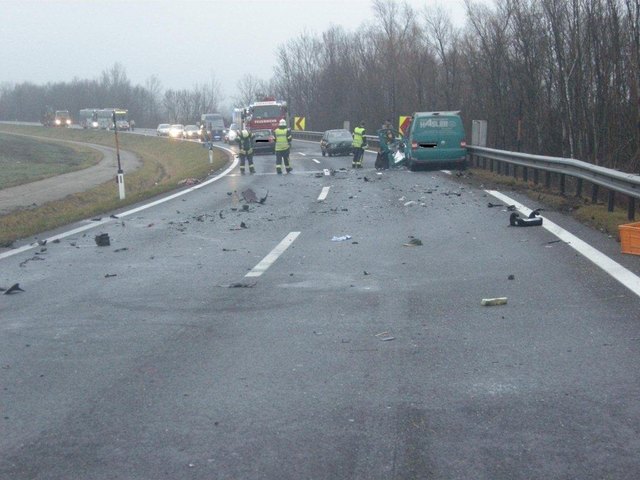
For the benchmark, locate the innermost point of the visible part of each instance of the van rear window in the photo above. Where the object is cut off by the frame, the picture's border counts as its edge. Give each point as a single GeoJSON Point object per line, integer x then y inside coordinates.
{"type": "Point", "coordinates": [450, 122]}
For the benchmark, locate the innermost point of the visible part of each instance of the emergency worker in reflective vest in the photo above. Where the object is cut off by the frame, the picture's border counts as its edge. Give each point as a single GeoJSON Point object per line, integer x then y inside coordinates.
{"type": "Point", "coordinates": [245, 140]}
{"type": "Point", "coordinates": [283, 146]}
{"type": "Point", "coordinates": [359, 144]}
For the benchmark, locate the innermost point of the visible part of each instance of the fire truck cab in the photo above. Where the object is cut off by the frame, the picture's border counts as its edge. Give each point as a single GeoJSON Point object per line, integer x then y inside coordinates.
{"type": "Point", "coordinates": [265, 114]}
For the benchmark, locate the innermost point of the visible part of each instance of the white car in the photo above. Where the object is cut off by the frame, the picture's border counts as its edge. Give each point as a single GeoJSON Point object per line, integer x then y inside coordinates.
{"type": "Point", "coordinates": [163, 130]}
{"type": "Point", "coordinates": [176, 131]}
{"type": "Point", "coordinates": [191, 132]}
{"type": "Point", "coordinates": [231, 134]}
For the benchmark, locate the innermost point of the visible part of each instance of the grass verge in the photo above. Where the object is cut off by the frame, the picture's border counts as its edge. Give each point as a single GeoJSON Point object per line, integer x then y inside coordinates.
{"type": "Point", "coordinates": [165, 163]}
{"type": "Point", "coordinates": [24, 160]}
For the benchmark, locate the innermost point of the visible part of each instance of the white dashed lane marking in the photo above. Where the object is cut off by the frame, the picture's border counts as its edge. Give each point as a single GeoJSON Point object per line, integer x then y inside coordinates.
{"type": "Point", "coordinates": [267, 261]}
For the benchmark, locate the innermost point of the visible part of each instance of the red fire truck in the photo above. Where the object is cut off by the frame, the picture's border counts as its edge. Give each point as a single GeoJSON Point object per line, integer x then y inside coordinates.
{"type": "Point", "coordinates": [265, 114]}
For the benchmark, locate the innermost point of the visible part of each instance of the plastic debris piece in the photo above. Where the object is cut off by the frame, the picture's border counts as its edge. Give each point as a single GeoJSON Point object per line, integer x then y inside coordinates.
{"type": "Point", "coordinates": [410, 203]}
{"type": "Point", "coordinates": [13, 289]}
{"type": "Point", "coordinates": [516, 221]}
{"type": "Point", "coordinates": [385, 336]}
{"type": "Point", "coordinates": [511, 277]}
{"type": "Point", "coordinates": [249, 196]}
{"type": "Point", "coordinates": [490, 302]}
{"type": "Point", "coordinates": [102, 240]}
{"type": "Point", "coordinates": [341, 239]}
{"type": "Point", "coordinates": [414, 242]}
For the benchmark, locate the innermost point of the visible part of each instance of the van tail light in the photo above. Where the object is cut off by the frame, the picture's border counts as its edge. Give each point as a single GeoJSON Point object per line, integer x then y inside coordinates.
{"type": "Point", "coordinates": [463, 144]}
{"type": "Point", "coordinates": [414, 145]}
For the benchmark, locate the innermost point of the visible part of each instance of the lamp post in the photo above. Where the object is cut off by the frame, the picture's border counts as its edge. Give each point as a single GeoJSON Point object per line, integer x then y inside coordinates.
{"type": "Point", "coordinates": [120, 176]}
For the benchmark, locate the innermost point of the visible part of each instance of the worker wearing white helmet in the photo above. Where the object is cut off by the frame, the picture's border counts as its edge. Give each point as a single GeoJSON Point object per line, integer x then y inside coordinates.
{"type": "Point", "coordinates": [245, 152]}
{"type": "Point", "coordinates": [283, 145]}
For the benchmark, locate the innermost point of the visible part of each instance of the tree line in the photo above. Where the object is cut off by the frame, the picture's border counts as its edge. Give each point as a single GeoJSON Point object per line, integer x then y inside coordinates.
{"type": "Point", "coordinates": [551, 77]}
{"type": "Point", "coordinates": [147, 104]}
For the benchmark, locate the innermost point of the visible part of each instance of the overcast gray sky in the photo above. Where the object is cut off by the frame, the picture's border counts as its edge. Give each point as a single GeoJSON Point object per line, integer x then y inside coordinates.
{"type": "Point", "coordinates": [182, 42]}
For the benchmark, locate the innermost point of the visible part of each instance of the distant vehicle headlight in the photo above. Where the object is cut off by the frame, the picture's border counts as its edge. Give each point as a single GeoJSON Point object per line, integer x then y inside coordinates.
{"type": "Point", "coordinates": [94, 124]}
{"type": "Point", "coordinates": [68, 121]}
{"type": "Point", "coordinates": [57, 121]}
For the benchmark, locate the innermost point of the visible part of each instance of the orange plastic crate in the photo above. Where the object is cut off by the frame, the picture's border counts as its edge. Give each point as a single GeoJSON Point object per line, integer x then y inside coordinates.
{"type": "Point", "coordinates": [630, 238]}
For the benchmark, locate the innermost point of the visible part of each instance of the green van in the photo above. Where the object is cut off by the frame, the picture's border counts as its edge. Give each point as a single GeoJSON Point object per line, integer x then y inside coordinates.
{"type": "Point", "coordinates": [436, 139]}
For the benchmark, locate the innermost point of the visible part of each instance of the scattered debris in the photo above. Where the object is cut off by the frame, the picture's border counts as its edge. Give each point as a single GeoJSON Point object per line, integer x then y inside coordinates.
{"type": "Point", "coordinates": [366, 273]}
{"type": "Point", "coordinates": [42, 242]}
{"type": "Point", "coordinates": [13, 289]}
{"type": "Point", "coordinates": [113, 216]}
{"type": "Point", "coordinates": [124, 249]}
{"type": "Point", "coordinates": [385, 336]}
{"type": "Point", "coordinates": [489, 302]}
{"type": "Point", "coordinates": [249, 196]}
{"type": "Point", "coordinates": [365, 179]}
{"type": "Point", "coordinates": [243, 225]}
{"type": "Point", "coordinates": [341, 238]}
{"type": "Point", "coordinates": [220, 214]}
{"type": "Point", "coordinates": [102, 240]}
{"type": "Point", "coordinates": [96, 219]}
{"type": "Point", "coordinates": [57, 240]}
{"type": "Point", "coordinates": [24, 262]}
{"type": "Point", "coordinates": [414, 242]}
{"type": "Point", "coordinates": [511, 277]}
{"type": "Point", "coordinates": [410, 203]}
{"type": "Point", "coordinates": [189, 182]}
{"type": "Point", "coordinates": [511, 208]}
{"type": "Point", "coordinates": [109, 275]}
{"type": "Point", "coordinates": [229, 250]}
{"type": "Point", "coordinates": [553, 241]}
{"type": "Point", "coordinates": [491, 205]}
{"type": "Point", "coordinates": [516, 221]}
{"type": "Point", "coordinates": [245, 207]}
{"type": "Point", "coordinates": [240, 285]}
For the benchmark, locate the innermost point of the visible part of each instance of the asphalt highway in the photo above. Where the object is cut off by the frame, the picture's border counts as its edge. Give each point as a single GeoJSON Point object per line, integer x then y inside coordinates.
{"type": "Point", "coordinates": [334, 331]}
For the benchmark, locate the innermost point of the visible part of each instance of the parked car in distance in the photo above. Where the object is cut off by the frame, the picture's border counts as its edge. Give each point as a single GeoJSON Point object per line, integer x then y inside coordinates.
{"type": "Point", "coordinates": [263, 141]}
{"type": "Point", "coordinates": [336, 142]}
{"type": "Point", "coordinates": [176, 130]}
{"type": "Point", "coordinates": [191, 132]}
{"type": "Point", "coordinates": [436, 139]}
{"type": "Point", "coordinates": [163, 130]}
{"type": "Point", "coordinates": [231, 133]}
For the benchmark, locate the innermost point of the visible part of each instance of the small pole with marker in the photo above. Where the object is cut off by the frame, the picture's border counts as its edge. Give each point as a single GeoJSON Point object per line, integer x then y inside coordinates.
{"type": "Point", "coordinates": [120, 176]}
{"type": "Point", "coordinates": [210, 153]}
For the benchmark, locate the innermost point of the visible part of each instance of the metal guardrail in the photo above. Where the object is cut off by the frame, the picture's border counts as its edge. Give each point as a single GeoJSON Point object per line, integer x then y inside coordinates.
{"type": "Point", "coordinates": [613, 180]}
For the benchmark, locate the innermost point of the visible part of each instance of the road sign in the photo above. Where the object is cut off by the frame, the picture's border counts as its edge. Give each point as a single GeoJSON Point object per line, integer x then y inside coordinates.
{"type": "Point", "coordinates": [298, 123]}
{"type": "Point", "coordinates": [404, 125]}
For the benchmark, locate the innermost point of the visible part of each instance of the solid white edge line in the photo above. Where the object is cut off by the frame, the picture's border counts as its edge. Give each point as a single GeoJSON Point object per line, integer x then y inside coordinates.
{"type": "Point", "coordinates": [272, 256]}
{"type": "Point", "coordinates": [93, 224]}
{"type": "Point", "coordinates": [613, 268]}
{"type": "Point", "coordinates": [323, 193]}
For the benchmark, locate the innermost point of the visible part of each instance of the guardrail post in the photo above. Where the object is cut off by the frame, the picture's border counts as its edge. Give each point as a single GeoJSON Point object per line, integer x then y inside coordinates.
{"type": "Point", "coordinates": [506, 168]}
{"type": "Point", "coordinates": [536, 176]}
{"type": "Point", "coordinates": [547, 179]}
{"type": "Point", "coordinates": [631, 209]}
{"type": "Point", "coordinates": [525, 174]}
{"type": "Point", "coordinates": [611, 201]}
{"type": "Point", "coordinates": [579, 188]}
{"type": "Point", "coordinates": [491, 165]}
{"type": "Point", "coordinates": [484, 163]}
{"type": "Point", "coordinates": [562, 184]}
{"type": "Point", "coordinates": [515, 172]}
{"type": "Point", "coordinates": [594, 193]}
